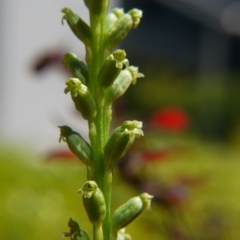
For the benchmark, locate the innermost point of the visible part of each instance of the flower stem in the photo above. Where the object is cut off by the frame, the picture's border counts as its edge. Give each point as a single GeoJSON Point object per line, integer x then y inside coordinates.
{"type": "Point", "coordinates": [99, 128]}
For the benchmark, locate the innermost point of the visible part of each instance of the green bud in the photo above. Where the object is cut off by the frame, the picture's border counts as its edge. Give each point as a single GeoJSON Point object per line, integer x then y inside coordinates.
{"type": "Point", "coordinates": [122, 26]}
{"type": "Point", "coordinates": [76, 144]}
{"type": "Point", "coordinates": [122, 82]}
{"type": "Point", "coordinates": [121, 140]}
{"type": "Point", "coordinates": [75, 232]}
{"type": "Point", "coordinates": [112, 67]}
{"type": "Point", "coordinates": [77, 25]}
{"type": "Point", "coordinates": [81, 97]}
{"type": "Point", "coordinates": [94, 202]}
{"type": "Point", "coordinates": [77, 67]}
{"type": "Point", "coordinates": [126, 213]}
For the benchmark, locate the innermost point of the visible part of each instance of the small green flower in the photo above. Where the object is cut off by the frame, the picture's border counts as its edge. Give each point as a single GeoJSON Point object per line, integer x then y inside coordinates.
{"type": "Point", "coordinates": [136, 16]}
{"type": "Point", "coordinates": [94, 202]}
{"type": "Point", "coordinates": [112, 67]}
{"type": "Point", "coordinates": [121, 140]}
{"type": "Point", "coordinates": [82, 98]}
{"type": "Point", "coordinates": [113, 16]}
{"type": "Point", "coordinates": [75, 232]}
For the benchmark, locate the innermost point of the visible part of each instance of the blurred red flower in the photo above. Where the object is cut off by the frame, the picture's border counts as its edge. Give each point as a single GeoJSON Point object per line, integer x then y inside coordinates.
{"type": "Point", "coordinates": [170, 119]}
{"type": "Point", "coordinates": [61, 155]}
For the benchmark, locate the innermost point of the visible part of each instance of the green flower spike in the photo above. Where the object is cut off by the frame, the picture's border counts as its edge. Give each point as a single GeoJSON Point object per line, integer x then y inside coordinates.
{"type": "Point", "coordinates": [119, 30]}
{"type": "Point", "coordinates": [126, 77]}
{"type": "Point", "coordinates": [126, 213]}
{"type": "Point", "coordinates": [94, 202]}
{"type": "Point", "coordinates": [75, 232]}
{"type": "Point", "coordinates": [76, 144]}
{"type": "Point", "coordinates": [121, 140]}
{"type": "Point", "coordinates": [77, 67]}
{"type": "Point", "coordinates": [82, 98]}
{"type": "Point", "coordinates": [77, 25]}
{"type": "Point", "coordinates": [112, 67]}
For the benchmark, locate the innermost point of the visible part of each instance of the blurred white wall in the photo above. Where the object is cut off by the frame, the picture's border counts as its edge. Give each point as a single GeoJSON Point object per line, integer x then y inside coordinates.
{"type": "Point", "coordinates": [31, 105]}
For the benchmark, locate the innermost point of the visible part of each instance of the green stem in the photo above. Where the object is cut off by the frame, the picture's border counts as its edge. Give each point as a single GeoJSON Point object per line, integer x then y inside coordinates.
{"type": "Point", "coordinates": [107, 192]}
{"type": "Point", "coordinates": [97, 232]}
{"type": "Point", "coordinates": [99, 128]}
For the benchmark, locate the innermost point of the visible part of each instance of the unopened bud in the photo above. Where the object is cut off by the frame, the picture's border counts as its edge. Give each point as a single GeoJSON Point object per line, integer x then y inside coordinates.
{"type": "Point", "coordinates": [76, 144]}
{"type": "Point", "coordinates": [120, 85]}
{"type": "Point", "coordinates": [126, 213]}
{"type": "Point", "coordinates": [77, 67]}
{"type": "Point", "coordinates": [77, 25]}
{"type": "Point", "coordinates": [121, 140]}
{"type": "Point", "coordinates": [122, 27]}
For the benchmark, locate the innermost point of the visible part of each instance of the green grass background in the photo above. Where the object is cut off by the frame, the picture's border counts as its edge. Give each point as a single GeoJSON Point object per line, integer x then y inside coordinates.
{"type": "Point", "coordinates": [38, 197]}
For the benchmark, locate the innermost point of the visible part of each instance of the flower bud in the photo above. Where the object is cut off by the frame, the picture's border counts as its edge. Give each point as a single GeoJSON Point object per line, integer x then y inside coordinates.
{"type": "Point", "coordinates": [126, 213]}
{"type": "Point", "coordinates": [81, 97]}
{"type": "Point", "coordinates": [94, 202]}
{"type": "Point", "coordinates": [75, 232]}
{"type": "Point", "coordinates": [122, 82]}
{"type": "Point", "coordinates": [121, 140]}
{"type": "Point", "coordinates": [112, 67]}
{"type": "Point", "coordinates": [76, 144]}
{"type": "Point", "coordinates": [77, 25]}
{"type": "Point", "coordinates": [77, 67]}
{"type": "Point", "coordinates": [122, 27]}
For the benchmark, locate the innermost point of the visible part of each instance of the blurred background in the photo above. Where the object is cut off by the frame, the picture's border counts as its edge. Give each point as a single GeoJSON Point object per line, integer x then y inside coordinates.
{"type": "Point", "coordinates": [189, 159]}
